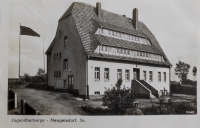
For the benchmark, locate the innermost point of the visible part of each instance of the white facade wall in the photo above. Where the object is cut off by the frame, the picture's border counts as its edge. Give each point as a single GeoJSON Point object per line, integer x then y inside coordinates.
{"type": "Point", "coordinates": [100, 85]}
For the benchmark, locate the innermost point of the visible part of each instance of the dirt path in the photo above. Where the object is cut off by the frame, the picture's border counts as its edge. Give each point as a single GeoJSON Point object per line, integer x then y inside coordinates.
{"type": "Point", "coordinates": [53, 103]}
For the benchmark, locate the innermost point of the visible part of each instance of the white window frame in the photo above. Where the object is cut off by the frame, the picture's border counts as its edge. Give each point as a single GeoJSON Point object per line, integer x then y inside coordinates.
{"type": "Point", "coordinates": [97, 73]}
{"type": "Point", "coordinates": [159, 76]}
{"type": "Point", "coordinates": [150, 76]}
{"type": "Point", "coordinates": [145, 75]}
{"type": "Point", "coordinates": [164, 76]}
{"type": "Point", "coordinates": [127, 75]}
{"type": "Point", "coordinates": [65, 66]}
{"type": "Point", "coordinates": [106, 74]}
{"type": "Point", "coordinates": [119, 73]}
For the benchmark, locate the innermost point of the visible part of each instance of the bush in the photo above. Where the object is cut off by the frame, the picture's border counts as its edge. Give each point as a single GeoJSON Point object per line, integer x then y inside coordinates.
{"type": "Point", "coordinates": [38, 79]}
{"type": "Point", "coordinates": [177, 88]}
{"type": "Point", "coordinates": [175, 108]}
{"type": "Point", "coordinates": [118, 99]}
{"type": "Point", "coordinates": [190, 82]}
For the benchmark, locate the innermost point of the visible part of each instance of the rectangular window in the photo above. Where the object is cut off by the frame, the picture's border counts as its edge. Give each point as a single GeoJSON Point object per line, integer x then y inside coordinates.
{"type": "Point", "coordinates": [60, 56]}
{"type": "Point", "coordinates": [141, 54]}
{"type": "Point", "coordinates": [65, 64]}
{"type": "Point", "coordinates": [144, 54]}
{"type": "Point", "coordinates": [119, 73]}
{"type": "Point", "coordinates": [164, 75]}
{"type": "Point", "coordinates": [101, 48]}
{"type": "Point", "coordinates": [117, 50]}
{"type": "Point", "coordinates": [97, 73]}
{"type": "Point", "coordinates": [145, 75]}
{"type": "Point", "coordinates": [159, 77]}
{"type": "Point", "coordinates": [128, 52]}
{"type": "Point", "coordinates": [106, 49]}
{"type": "Point", "coordinates": [108, 32]}
{"type": "Point", "coordinates": [150, 76]}
{"type": "Point", "coordinates": [65, 84]}
{"type": "Point", "coordinates": [65, 41]}
{"type": "Point", "coordinates": [101, 30]}
{"type": "Point", "coordinates": [59, 74]}
{"type": "Point", "coordinates": [121, 51]}
{"type": "Point", "coordinates": [106, 73]}
{"type": "Point", "coordinates": [127, 75]}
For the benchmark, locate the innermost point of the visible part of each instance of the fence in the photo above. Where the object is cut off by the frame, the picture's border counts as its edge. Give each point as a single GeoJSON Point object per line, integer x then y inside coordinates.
{"type": "Point", "coordinates": [26, 109]}
{"type": "Point", "coordinates": [12, 99]}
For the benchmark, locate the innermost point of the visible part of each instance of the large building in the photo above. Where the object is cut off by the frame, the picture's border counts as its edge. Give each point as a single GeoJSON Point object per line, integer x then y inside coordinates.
{"type": "Point", "coordinates": [93, 48]}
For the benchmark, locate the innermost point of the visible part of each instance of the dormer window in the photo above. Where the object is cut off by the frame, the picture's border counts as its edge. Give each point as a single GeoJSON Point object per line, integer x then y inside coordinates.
{"type": "Point", "coordinates": [106, 49]}
{"type": "Point", "coordinates": [121, 51]}
{"type": "Point", "coordinates": [101, 48]}
{"type": "Point", "coordinates": [117, 50]}
{"type": "Point", "coordinates": [128, 52]}
{"type": "Point", "coordinates": [144, 54]}
{"type": "Point", "coordinates": [140, 53]}
{"type": "Point", "coordinates": [101, 30]}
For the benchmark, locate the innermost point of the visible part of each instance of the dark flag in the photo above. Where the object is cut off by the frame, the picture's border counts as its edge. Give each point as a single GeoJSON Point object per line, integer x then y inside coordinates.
{"type": "Point", "coordinates": [28, 31]}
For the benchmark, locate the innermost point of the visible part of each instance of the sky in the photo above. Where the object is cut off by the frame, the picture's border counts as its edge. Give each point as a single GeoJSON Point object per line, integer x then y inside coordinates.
{"type": "Point", "coordinates": [173, 23]}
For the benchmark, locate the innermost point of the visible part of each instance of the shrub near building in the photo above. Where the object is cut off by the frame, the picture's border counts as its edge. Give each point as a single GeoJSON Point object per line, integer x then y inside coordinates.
{"type": "Point", "coordinates": [118, 99]}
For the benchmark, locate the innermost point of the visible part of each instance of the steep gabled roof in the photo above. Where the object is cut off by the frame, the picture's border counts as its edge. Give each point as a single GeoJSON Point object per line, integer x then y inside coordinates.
{"type": "Point", "coordinates": [87, 23]}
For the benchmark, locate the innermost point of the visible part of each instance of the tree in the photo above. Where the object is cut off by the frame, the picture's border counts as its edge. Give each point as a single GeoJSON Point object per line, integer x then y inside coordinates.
{"type": "Point", "coordinates": [40, 72]}
{"type": "Point", "coordinates": [118, 99]}
{"type": "Point", "coordinates": [27, 77]}
{"type": "Point", "coordinates": [40, 76]}
{"type": "Point", "coordinates": [181, 70]}
{"type": "Point", "coordinates": [194, 70]}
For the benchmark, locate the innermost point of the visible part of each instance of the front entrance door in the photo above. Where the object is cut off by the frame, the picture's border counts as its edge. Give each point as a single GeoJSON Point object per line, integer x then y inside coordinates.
{"type": "Point", "coordinates": [136, 73]}
{"type": "Point", "coordinates": [70, 83]}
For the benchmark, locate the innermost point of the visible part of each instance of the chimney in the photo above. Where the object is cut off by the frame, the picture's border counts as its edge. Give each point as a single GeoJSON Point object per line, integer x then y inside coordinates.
{"type": "Point", "coordinates": [98, 9]}
{"type": "Point", "coordinates": [135, 18]}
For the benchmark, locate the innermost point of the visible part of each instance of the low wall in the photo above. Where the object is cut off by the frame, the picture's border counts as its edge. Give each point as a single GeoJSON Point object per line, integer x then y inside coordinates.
{"type": "Point", "coordinates": [12, 99]}
{"type": "Point", "coordinates": [26, 109]}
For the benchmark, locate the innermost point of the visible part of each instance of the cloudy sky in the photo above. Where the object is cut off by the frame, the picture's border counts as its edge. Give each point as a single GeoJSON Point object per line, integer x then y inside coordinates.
{"type": "Point", "coordinates": [173, 22]}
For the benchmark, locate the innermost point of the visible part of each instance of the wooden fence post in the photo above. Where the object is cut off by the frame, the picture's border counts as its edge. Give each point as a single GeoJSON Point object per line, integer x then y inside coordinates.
{"type": "Point", "coordinates": [22, 106]}
{"type": "Point", "coordinates": [87, 92]}
{"type": "Point", "coordinates": [15, 99]}
{"type": "Point", "coordinates": [36, 113]}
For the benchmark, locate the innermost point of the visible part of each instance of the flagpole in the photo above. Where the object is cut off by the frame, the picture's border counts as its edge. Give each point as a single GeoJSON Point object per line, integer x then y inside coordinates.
{"type": "Point", "coordinates": [43, 55]}
{"type": "Point", "coordinates": [19, 49]}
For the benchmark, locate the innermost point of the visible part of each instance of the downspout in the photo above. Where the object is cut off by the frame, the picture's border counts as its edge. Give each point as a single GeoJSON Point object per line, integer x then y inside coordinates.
{"type": "Point", "coordinates": [170, 80]}
{"type": "Point", "coordinates": [87, 86]}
